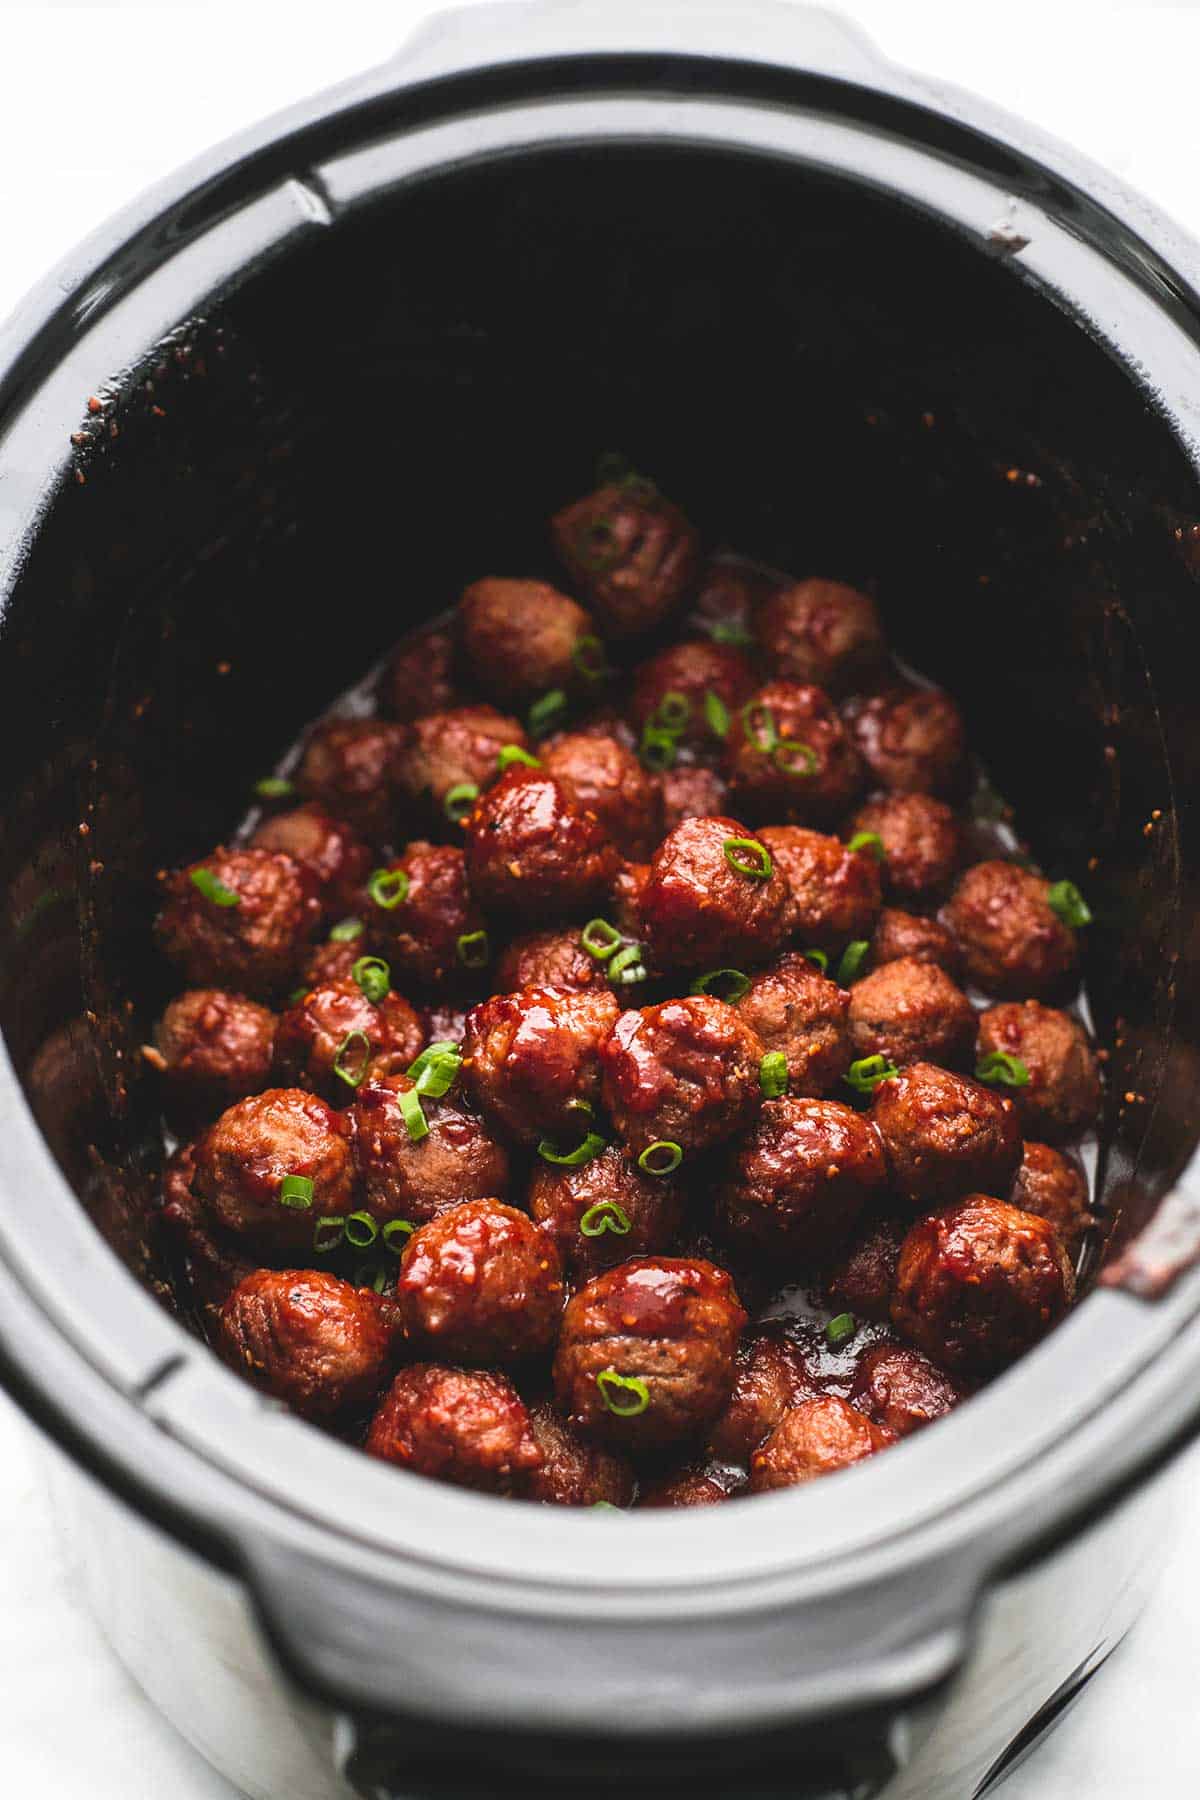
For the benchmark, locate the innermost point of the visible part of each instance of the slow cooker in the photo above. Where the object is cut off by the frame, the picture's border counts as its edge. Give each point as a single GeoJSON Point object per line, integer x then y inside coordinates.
{"type": "Point", "coordinates": [277, 412]}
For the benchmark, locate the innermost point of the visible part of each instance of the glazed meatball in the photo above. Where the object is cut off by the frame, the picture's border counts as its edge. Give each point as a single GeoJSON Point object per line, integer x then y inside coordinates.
{"type": "Point", "coordinates": [836, 889]}
{"type": "Point", "coordinates": [902, 1389]}
{"type": "Point", "coordinates": [922, 843]}
{"type": "Point", "coordinates": [604, 778]}
{"type": "Point", "coordinates": [332, 1037]}
{"type": "Point", "coordinates": [1062, 1095]}
{"type": "Point", "coordinates": [243, 1161]}
{"type": "Point", "coordinates": [909, 1011]}
{"type": "Point", "coordinates": [240, 919]}
{"type": "Point", "coordinates": [729, 595]}
{"type": "Point", "coordinates": [691, 791]}
{"type": "Point", "coordinates": [861, 1281]}
{"type": "Point", "coordinates": [630, 552]}
{"type": "Point", "coordinates": [714, 897]}
{"type": "Point", "coordinates": [772, 1375]}
{"type": "Point", "coordinates": [211, 1048]}
{"type": "Point", "coordinates": [353, 768]}
{"type": "Point", "coordinates": [1055, 1188]}
{"type": "Point", "coordinates": [308, 1339]}
{"type": "Point", "coordinates": [552, 958]}
{"type": "Point", "coordinates": [420, 677]}
{"type": "Point", "coordinates": [521, 638]}
{"type": "Point", "coordinates": [466, 1426]}
{"type": "Point", "coordinates": [479, 1282]}
{"type": "Point", "coordinates": [334, 856]}
{"type": "Point", "coordinates": [450, 752]}
{"type": "Point", "coordinates": [532, 852]}
{"type": "Point", "coordinates": [944, 1135]}
{"type": "Point", "coordinates": [818, 1437]}
{"type": "Point", "coordinates": [695, 1484]}
{"type": "Point", "coordinates": [979, 1284]}
{"type": "Point", "coordinates": [415, 1179]}
{"type": "Point", "coordinates": [822, 632]}
{"type": "Point", "coordinates": [531, 1059]}
{"type": "Point", "coordinates": [913, 740]}
{"type": "Point", "coordinates": [646, 1355]}
{"type": "Point", "coordinates": [672, 690]}
{"type": "Point", "coordinates": [434, 934]}
{"type": "Point", "coordinates": [799, 1179]}
{"type": "Point", "coordinates": [1013, 942]}
{"type": "Point", "coordinates": [789, 757]}
{"type": "Point", "coordinates": [685, 1072]}
{"type": "Point", "coordinates": [900, 934]}
{"type": "Point", "coordinates": [794, 1009]}
{"type": "Point", "coordinates": [604, 1211]}
{"type": "Point", "coordinates": [574, 1472]}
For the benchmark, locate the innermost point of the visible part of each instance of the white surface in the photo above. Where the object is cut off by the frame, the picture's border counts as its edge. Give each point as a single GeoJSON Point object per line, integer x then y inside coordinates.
{"type": "Point", "coordinates": [100, 100]}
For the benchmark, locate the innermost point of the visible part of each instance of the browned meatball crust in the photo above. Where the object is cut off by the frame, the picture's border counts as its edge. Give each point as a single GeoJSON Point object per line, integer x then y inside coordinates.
{"type": "Point", "coordinates": [861, 1280]}
{"type": "Point", "coordinates": [695, 1484]}
{"type": "Point", "coordinates": [330, 1039]}
{"type": "Point", "coordinates": [466, 1426]}
{"type": "Point", "coordinates": [683, 676]}
{"type": "Point", "coordinates": [789, 757]}
{"type": "Point", "coordinates": [836, 889]}
{"type": "Point", "coordinates": [900, 934]}
{"type": "Point", "coordinates": [522, 638]}
{"type": "Point", "coordinates": [1013, 943]}
{"type": "Point", "coordinates": [922, 841]}
{"type": "Point", "coordinates": [817, 1437]}
{"type": "Point", "coordinates": [822, 632]}
{"type": "Point", "coordinates": [330, 961]}
{"type": "Point", "coordinates": [685, 1072]}
{"type": "Point", "coordinates": [239, 919]}
{"type": "Point", "coordinates": [604, 1211]}
{"type": "Point", "coordinates": [795, 1010]}
{"type": "Point", "coordinates": [630, 552]}
{"type": "Point", "coordinates": [913, 740]}
{"type": "Point", "coordinates": [574, 1472]}
{"type": "Point", "coordinates": [1062, 1095]}
{"type": "Point", "coordinates": [420, 676]}
{"type": "Point", "coordinates": [729, 595]}
{"type": "Point", "coordinates": [480, 1283]}
{"type": "Point", "coordinates": [646, 1354]}
{"type": "Point", "coordinates": [352, 767]}
{"type": "Point", "coordinates": [551, 958]}
{"type": "Point", "coordinates": [334, 856]}
{"type": "Point", "coordinates": [699, 909]}
{"type": "Point", "coordinates": [452, 750]}
{"type": "Point", "coordinates": [603, 777]}
{"type": "Point", "coordinates": [980, 1283]}
{"type": "Point", "coordinates": [1055, 1188]}
{"type": "Point", "coordinates": [431, 937]}
{"type": "Point", "coordinates": [531, 1059]}
{"type": "Point", "coordinates": [909, 1011]}
{"type": "Point", "coordinates": [458, 1159]}
{"type": "Point", "coordinates": [692, 791]}
{"type": "Point", "coordinates": [533, 853]}
{"type": "Point", "coordinates": [902, 1389]}
{"type": "Point", "coordinates": [308, 1339]}
{"type": "Point", "coordinates": [243, 1160]}
{"type": "Point", "coordinates": [772, 1375]}
{"type": "Point", "coordinates": [944, 1135]}
{"type": "Point", "coordinates": [799, 1179]}
{"type": "Point", "coordinates": [211, 1048]}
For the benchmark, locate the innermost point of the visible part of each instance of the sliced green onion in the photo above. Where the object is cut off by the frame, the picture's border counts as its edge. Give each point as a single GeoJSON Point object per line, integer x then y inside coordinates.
{"type": "Point", "coordinates": [851, 965]}
{"type": "Point", "coordinates": [603, 1506]}
{"type": "Point", "coordinates": [388, 887]}
{"type": "Point", "coordinates": [758, 723]}
{"type": "Point", "coordinates": [396, 1234]}
{"type": "Point", "coordinates": [372, 1275]}
{"type": "Point", "coordinates": [791, 757]}
{"type": "Point", "coordinates": [587, 654]}
{"type": "Point", "coordinates": [672, 712]}
{"type": "Point", "coordinates": [459, 800]}
{"type": "Point", "coordinates": [274, 787]}
{"type": "Point", "coordinates": [473, 948]}
{"type": "Point", "coordinates": [361, 1230]}
{"type": "Point", "coordinates": [748, 857]}
{"type": "Point", "coordinates": [296, 1191]}
{"type": "Point", "coordinates": [627, 966]}
{"type": "Point", "coordinates": [513, 753]}
{"type": "Point", "coordinates": [817, 958]}
{"type": "Point", "coordinates": [606, 1215]}
{"type": "Point", "coordinates": [214, 890]}
{"type": "Point", "coordinates": [346, 932]}
{"type": "Point", "coordinates": [547, 712]}
{"type": "Point", "coordinates": [868, 840]}
{"type": "Point", "coordinates": [730, 631]}
{"type": "Point", "coordinates": [1063, 898]}
{"type": "Point", "coordinates": [722, 984]}
{"type": "Point", "coordinates": [624, 1395]}
{"type": "Point", "coordinates": [773, 1074]}
{"type": "Point", "coordinates": [662, 1157]}
{"type": "Point", "coordinates": [411, 1112]}
{"type": "Point", "coordinates": [658, 748]}
{"type": "Point", "coordinates": [865, 1075]}
{"type": "Point", "coordinates": [1000, 1069]}
{"type": "Point", "coordinates": [591, 1146]}
{"type": "Point", "coordinates": [328, 1233]}
{"type": "Point", "coordinates": [374, 977]}
{"type": "Point", "coordinates": [839, 1331]}
{"type": "Point", "coordinates": [600, 939]}
{"type": "Point", "coordinates": [435, 1074]}
{"type": "Point", "coordinates": [716, 714]}
{"type": "Point", "coordinates": [296, 996]}
{"type": "Point", "coordinates": [349, 1067]}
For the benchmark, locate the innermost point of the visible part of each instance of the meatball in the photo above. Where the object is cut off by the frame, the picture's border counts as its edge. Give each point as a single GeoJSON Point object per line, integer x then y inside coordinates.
{"type": "Point", "coordinates": [909, 1011]}
{"type": "Point", "coordinates": [822, 632]}
{"type": "Point", "coordinates": [898, 934]}
{"type": "Point", "coordinates": [980, 1283]}
{"type": "Point", "coordinates": [714, 896]}
{"type": "Point", "coordinates": [272, 1165]}
{"type": "Point", "coordinates": [211, 1048]}
{"type": "Point", "coordinates": [574, 1472]}
{"type": "Point", "coordinates": [795, 1010]}
{"type": "Point", "coordinates": [789, 757]}
{"type": "Point", "coordinates": [625, 897]}
{"type": "Point", "coordinates": [646, 1355]}
{"type": "Point", "coordinates": [836, 889]}
{"type": "Point", "coordinates": [685, 1072]}
{"type": "Point", "coordinates": [531, 1059]}
{"type": "Point", "coordinates": [672, 691]}
{"type": "Point", "coordinates": [818, 1437]}
{"type": "Point", "coordinates": [1062, 1095]}
{"type": "Point", "coordinates": [532, 852]}
{"type": "Point", "coordinates": [308, 1339]}
{"type": "Point", "coordinates": [922, 843]}
{"type": "Point", "coordinates": [913, 740]}
{"type": "Point", "coordinates": [944, 1135]}
{"type": "Point", "coordinates": [329, 1040]}
{"type": "Point", "coordinates": [901, 1389]}
{"type": "Point", "coordinates": [353, 768]}
{"type": "Point", "coordinates": [772, 1375]}
{"type": "Point", "coordinates": [695, 1484]}
{"type": "Point", "coordinates": [798, 1181]}
{"type": "Point", "coordinates": [334, 856]}
{"type": "Point", "coordinates": [604, 1211]}
{"type": "Point", "coordinates": [691, 791]}
{"type": "Point", "coordinates": [1013, 942]}
{"type": "Point", "coordinates": [520, 638]}
{"type": "Point", "coordinates": [240, 919]}
{"type": "Point", "coordinates": [419, 677]}
{"type": "Point", "coordinates": [861, 1280]}
{"type": "Point", "coordinates": [551, 958]}
{"type": "Point", "coordinates": [214, 1262]}
{"type": "Point", "coordinates": [729, 594]}
{"type": "Point", "coordinates": [433, 935]}
{"type": "Point", "coordinates": [479, 1282]}
{"type": "Point", "coordinates": [414, 1179]}
{"type": "Point", "coordinates": [449, 755]}
{"type": "Point", "coordinates": [604, 778]}
{"type": "Point", "coordinates": [1055, 1187]}
{"type": "Point", "coordinates": [630, 552]}
{"type": "Point", "coordinates": [466, 1426]}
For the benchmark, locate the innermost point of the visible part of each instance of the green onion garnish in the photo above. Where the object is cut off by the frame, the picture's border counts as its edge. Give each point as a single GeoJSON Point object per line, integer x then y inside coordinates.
{"type": "Point", "coordinates": [624, 1395]}
{"type": "Point", "coordinates": [1063, 898]}
{"type": "Point", "coordinates": [296, 1191]}
{"type": "Point", "coordinates": [603, 1506]}
{"type": "Point", "coordinates": [373, 976]}
{"type": "Point", "coordinates": [662, 1157]}
{"type": "Point", "coordinates": [730, 631]}
{"type": "Point", "coordinates": [352, 1058]}
{"type": "Point", "coordinates": [773, 1074]}
{"type": "Point", "coordinates": [414, 1118]}
{"type": "Point", "coordinates": [388, 887]}
{"type": "Point", "coordinates": [473, 948]}
{"type": "Point", "coordinates": [839, 1331]}
{"type": "Point", "coordinates": [296, 996]}
{"type": "Point", "coordinates": [214, 890]}
{"type": "Point", "coordinates": [716, 714]}
{"type": "Point", "coordinates": [513, 753]}
{"type": "Point", "coordinates": [587, 654]}
{"type": "Point", "coordinates": [748, 857]}
{"type": "Point", "coordinates": [672, 712]}
{"type": "Point", "coordinates": [396, 1234]}
{"type": "Point", "coordinates": [865, 1075]}
{"type": "Point", "coordinates": [868, 840]}
{"type": "Point", "coordinates": [600, 939]}
{"type": "Point", "coordinates": [274, 787]}
{"type": "Point", "coordinates": [851, 965]}
{"type": "Point", "coordinates": [436, 1069]}
{"type": "Point", "coordinates": [1002, 1070]}
{"type": "Point", "coordinates": [547, 712]}
{"type": "Point", "coordinates": [722, 984]}
{"type": "Point", "coordinates": [627, 966]}
{"type": "Point", "coordinates": [658, 748]}
{"type": "Point", "coordinates": [328, 1233]}
{"type": "Point", "coordinates": [791, 757]}
{"type": "Point", "coordinates": [459, 800]}
{"type": "Point", "coordinates": [606, 1215]}
{"type": "Point", "coordinates": [817, 958]}
{"type": "Point", "coordinates": [361, 1230]}
{"type": "Point", "coordinates": [758, 723]}
{"type": "Point", "coordinates": [346, 932]}
{"type": "Point", "coordinates": [372, 1275]}
{"type": "Point", "coordinates": [591, 1146]}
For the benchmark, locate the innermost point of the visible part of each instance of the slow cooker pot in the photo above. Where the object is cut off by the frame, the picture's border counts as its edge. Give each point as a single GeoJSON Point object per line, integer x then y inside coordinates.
{"type": "Point", "coordinates": [281, 410]}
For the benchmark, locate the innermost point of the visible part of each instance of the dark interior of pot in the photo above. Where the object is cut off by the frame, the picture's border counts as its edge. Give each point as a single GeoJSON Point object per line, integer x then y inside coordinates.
{"type": "Point", "coordinates": [823, 379]}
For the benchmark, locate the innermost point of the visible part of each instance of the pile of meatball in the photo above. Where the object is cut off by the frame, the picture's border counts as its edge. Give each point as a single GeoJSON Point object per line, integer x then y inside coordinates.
{"type": "Point", "coordinates": [632, 963]}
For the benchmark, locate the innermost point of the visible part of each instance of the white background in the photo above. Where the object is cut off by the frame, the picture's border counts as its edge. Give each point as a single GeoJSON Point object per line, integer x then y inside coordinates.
{"type": "Point", "coordinates": [98, 101]}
